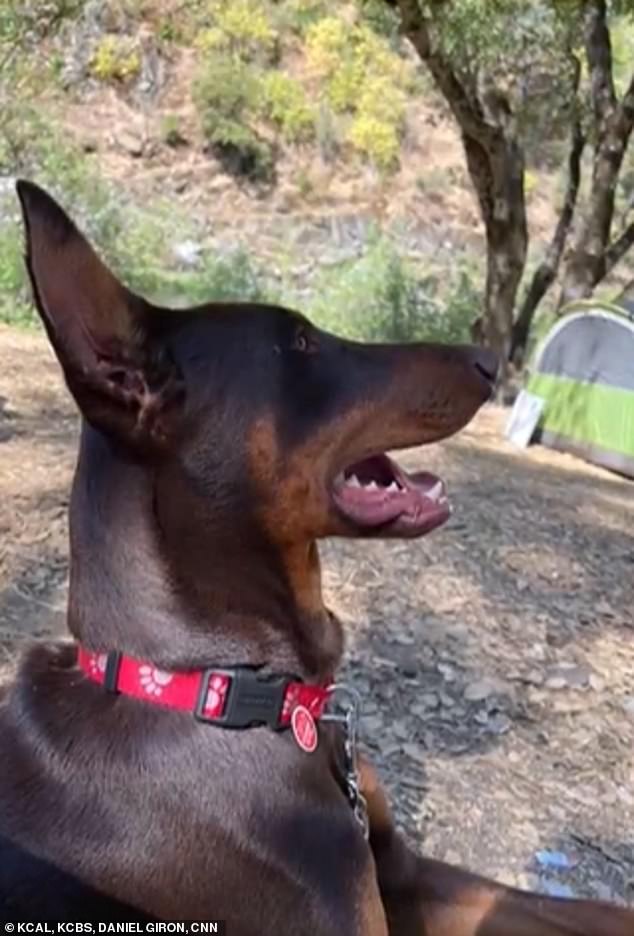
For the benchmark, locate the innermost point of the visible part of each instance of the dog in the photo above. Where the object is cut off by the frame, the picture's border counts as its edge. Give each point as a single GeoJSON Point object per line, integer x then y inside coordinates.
{"type": "Point", "coordinates": [177, 761]}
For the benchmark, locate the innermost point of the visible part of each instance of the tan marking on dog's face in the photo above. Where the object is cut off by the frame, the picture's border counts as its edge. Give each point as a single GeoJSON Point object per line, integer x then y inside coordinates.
{"type": "Point", "coordinates": [295, 506]}
{"type": "Point", "coordinates": [378, 399]}
{"type": "Point", "coordinates": [295, 486]}
{"type": "Point", "coordinates": [304, 572]}
{"type": "Point", "coordinates": [288, 491]}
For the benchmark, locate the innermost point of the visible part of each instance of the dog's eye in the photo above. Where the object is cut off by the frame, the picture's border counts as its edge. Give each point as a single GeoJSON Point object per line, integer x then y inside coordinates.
{"type": "Point", "coordinates": [303, 342]}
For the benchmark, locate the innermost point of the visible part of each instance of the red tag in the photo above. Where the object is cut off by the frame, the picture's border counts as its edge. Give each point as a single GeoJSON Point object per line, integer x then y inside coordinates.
{"type": "Point", "coordinates": [304, 729]}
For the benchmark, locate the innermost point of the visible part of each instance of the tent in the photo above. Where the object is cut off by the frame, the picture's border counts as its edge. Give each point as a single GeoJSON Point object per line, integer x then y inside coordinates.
{"type": "Point", "coordinates": [580, 391]}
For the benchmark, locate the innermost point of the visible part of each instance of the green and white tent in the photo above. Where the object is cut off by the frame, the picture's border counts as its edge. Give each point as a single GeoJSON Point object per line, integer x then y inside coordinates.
{"type": "Point", "coordinates": [579, 396]}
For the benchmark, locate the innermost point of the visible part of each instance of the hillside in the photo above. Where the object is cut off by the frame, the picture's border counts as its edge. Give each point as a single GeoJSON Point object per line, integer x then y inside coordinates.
{"type": "Point", "coordinates": [253, 146]}
{"type": "Point", "coordinates": [393, 158]}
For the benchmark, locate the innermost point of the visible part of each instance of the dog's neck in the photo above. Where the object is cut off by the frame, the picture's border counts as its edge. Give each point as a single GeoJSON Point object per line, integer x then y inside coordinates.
{"type": "Point", "coordinates": [153, 577]}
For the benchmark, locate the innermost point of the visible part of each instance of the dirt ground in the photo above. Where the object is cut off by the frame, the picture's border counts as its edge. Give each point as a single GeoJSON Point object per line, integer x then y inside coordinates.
{"type": "Point", "coordinates": [495, 658]}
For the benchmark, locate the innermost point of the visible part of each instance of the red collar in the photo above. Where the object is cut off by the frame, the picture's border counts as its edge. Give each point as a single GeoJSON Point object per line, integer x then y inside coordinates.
{"type": "Point", "coordinates": [231, 698]}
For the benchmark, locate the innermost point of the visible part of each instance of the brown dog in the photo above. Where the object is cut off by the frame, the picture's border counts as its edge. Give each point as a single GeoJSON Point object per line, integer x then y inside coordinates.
{"type": "Point", "coordinates": [218, 444]}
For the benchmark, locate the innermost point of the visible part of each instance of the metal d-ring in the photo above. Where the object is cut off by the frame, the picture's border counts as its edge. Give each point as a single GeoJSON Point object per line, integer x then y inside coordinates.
{"type": "Point", "coordinates": [349, 720]}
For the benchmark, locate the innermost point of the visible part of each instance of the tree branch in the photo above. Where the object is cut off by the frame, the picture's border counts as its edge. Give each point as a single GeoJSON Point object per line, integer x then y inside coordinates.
{"type": "Point", "coordinates": [613, 126]}
{"type": "Point", "coordinates": [5, 61]}
{"type": "Point", "coordinates": [626, 110]}
{"type": "Point", "coordinates": [599, 54]}
{"type": "Point", "coordinates": [466, 108]}
{"type": "Point", "coordinates": [618, 248]}
{"type": "Point", "coordinates": [546, 272]}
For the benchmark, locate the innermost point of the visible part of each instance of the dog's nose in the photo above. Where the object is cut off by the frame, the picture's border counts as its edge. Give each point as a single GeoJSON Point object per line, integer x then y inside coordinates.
{"type": "Point", "coordinates": [486, 362]}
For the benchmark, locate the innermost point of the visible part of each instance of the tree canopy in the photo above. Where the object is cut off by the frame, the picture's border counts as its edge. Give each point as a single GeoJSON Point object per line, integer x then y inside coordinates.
{"type": "Point", "coordinates": [519, 77]}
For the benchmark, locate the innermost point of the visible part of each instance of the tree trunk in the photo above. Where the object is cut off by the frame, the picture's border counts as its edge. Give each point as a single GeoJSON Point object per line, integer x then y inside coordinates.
{"type": "Point", "coordinates": [497, 174]}
{"type": "Point", "coordinates": [587, 264]}
{"type": "Point", "coordinates": [546, 272]}
{"type": "Point", "coordinates": [613, 124]}
{"type": "Point", "coordinates": [496, 166]}
{"type": "Point", "coordinates": [495, 161]}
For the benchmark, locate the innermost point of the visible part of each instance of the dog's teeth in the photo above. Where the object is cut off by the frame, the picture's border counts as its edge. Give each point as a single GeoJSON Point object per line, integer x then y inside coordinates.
{"type": "Point", "coordinates": [435, 492]}
{"type": "Point", "coordinates": [372, 486]}
{"type": "Point", "coordinates": [393, 487]}
{"type": "Point", "coordinates": [353, 481]}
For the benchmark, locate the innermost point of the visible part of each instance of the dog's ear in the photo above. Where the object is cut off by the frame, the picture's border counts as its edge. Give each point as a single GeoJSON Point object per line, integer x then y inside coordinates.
{"type": "Point", "coordinates": [108, 341]}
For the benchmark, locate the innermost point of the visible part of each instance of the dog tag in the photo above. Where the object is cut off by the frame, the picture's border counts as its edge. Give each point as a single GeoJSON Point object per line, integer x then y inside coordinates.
{"type": "Point", "coordinates": [304, 729]}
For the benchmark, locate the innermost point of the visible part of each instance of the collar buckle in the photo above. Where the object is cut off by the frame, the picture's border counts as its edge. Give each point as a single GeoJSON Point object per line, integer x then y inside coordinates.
{"type": "Point", "coordinates": [111, 673]}
{"type": "Point", "coordinates": [252, 699]}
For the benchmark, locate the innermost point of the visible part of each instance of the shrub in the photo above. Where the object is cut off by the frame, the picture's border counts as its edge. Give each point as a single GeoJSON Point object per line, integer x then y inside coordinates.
{"type": "Point", "coordinates": [462, 300]}
{"type": "Point", "coordinates": [331, 43]}
{"type": "Point", "coordinates": [377, 57]}
{"type": "Point", "coordinates": [304, 184]}
{"type": "Point", "coordinates": [370, 298]}
{"type": "Point", "coordinates": [376, 139]}
{"type": "Point", "coordinates": [232, 277]}
{"type": "Point", "coordinates": [365, 77]}
{"type": "Point", "coordinates": [299, 15]}
{"type": "Point", "coordinates": [228, 97]}
{"type": "Point", "coordinates": [376, 131]}
{"type": "Point", "coordinates": [134, 239]}
{"type": "Point", "coordinates": [19, 19]}
{"type": "Point", "coordinates": [382, 99]}
{"type": "Point", "coordinates": [383, 297]}
{"type": "Point", "coordinates": [170, 131]}
{"type": "Point", "coordinates": [345, 85]}
{"type": "Point", "coordinates": [247, 25]}
{"type": "Point", "coordinates": [327, 44]}
{"type": "Point", "coordinates": [116, 58]}
{"type": "Point", "coordinates": [212, 40]}
{"type": "Point", "coordinates": [227, 89]}
{"type": "Point", "coordinates": [381, 19]}
{"type": "Point", "coordinates": [285, 103]}
{"type": "Point", "coordinates": [170, 29]}
{"type": "Point", "coordinates": [243, 153]}
{"type": "Point", "coordinates": [240, 27]}
{"type": "Point", "coordinates": [14, 300]}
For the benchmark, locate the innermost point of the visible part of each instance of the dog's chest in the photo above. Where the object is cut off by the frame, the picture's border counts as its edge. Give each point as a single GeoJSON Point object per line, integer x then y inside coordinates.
{"type": "Point", "coordinates": [217, 826]}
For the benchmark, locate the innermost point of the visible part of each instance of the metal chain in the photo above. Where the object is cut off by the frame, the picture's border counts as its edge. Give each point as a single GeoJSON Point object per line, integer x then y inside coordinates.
{"type": "Point", "coordinates": [348, 701]}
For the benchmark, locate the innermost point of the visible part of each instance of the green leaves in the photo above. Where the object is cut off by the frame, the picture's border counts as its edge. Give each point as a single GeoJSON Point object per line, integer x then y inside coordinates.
{"type": "Point", "coordinates": [516, 51]}
{"type": "Point", "coordinates": [384, 297]}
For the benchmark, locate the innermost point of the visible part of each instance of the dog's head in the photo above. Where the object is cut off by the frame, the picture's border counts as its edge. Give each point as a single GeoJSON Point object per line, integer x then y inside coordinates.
{"type": "Point", "coordinates": [265, 415]}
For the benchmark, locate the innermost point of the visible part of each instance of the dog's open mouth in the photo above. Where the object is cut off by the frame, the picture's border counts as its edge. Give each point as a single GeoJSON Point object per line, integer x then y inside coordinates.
{"type": "Point", "coordinates": [377, 493]}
